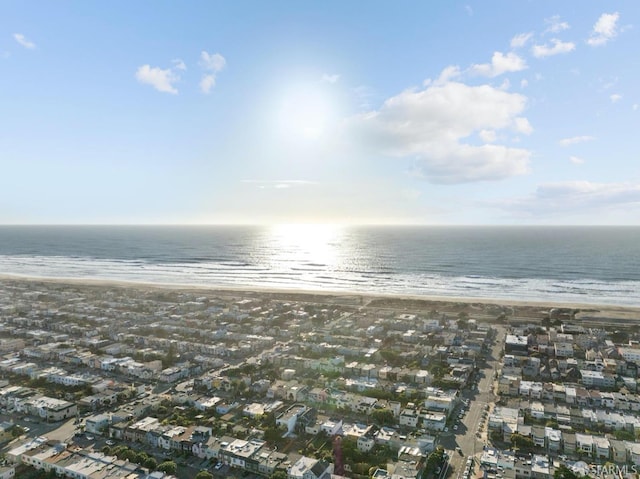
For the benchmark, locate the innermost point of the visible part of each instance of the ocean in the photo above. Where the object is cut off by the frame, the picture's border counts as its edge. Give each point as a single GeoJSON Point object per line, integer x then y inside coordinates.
{"type": "Point", "coordinates": [591, 265]}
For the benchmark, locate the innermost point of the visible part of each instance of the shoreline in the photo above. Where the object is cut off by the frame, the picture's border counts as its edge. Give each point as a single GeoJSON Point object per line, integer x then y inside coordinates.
{"type": "Point", "coordinates": [610, 311]}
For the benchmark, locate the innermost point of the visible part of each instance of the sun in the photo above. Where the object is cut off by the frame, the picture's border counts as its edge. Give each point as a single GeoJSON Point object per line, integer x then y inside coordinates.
{"type": "Point", "coordinates": [305, 113]}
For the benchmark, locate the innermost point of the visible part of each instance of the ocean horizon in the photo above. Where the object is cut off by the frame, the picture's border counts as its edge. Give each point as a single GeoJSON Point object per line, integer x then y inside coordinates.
{"type": "Point", "coordinates": [559, 264]}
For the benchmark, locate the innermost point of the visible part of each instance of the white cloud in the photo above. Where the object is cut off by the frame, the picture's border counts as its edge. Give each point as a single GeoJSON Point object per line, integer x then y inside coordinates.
{"type": "Point", "coordinates": [431, 125]}
{"type": "Point", "coordinates": [207, 83]}
{"type": "Point", "coordinates": [521, 40]}
{"type": "Point", "coordinates": [22, 40]}
{"type": "Point", "coordinates": [212, 62]}
{"type": "Point", "coordinates": [524, 83]}
{"type": "Point", "coordinates": [635, 106]}
{"type": "Point", "coordinates": [555, 25]}
{"type": "Point", "coordinates": [610, 83]}
{"type": "Point", "coordinates": [576, 160]}
{"type": "Point", "coordinates": [449, 73]}
{"type": "Point", "coordinates": [574, 196]}
{"type": "Point", "coordinates": [488, 136]}
{"type": "Point", "coordinates": [604, 29]}
{"type": "Point", "coordinates": [500, 63]}
{"type": "Point", "coordinates": [330, 78]}
{"type": "Point", "coordinates": [616, 97]}
{"type": "Point", "coordinates": [161, 80]}
{"type": "Point", "coordinates": [575, 139]}
{"type": "Point", "coordinates": [556, 47]}
{"type": "Point", "coordinates": [522, 125]}
{"type": "Point", "coordinates": [468, 9]}
{"type": "Point", "coordinates": [505, 85]}
{"type": "Point", "coordinates": [178, 64]}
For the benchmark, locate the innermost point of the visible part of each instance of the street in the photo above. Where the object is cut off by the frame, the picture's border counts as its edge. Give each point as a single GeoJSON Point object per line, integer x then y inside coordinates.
{"type": "Point", "coordinates": [465, 437]}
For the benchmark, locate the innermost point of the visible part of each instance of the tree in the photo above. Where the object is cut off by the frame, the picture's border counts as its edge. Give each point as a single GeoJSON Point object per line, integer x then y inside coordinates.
{"type": "Point", "coordinates": [522, 442]}
{"type": "Point", "coordinates": [383, 417]}
{"type": "Point", "coordinates": [168, 467]}
{"type": "Point", "coordinates": [273, 434]}
{"type": "Point", "coordinates": [563, 472]}
{"type": "Point", "coordinates": [204, 475]}
{"type": "Point", "coordinates": [150, 463]}
{"type": "Point", "coordinates": [278, 475]}
{"type": "Point", "coordinates": [624, 436]}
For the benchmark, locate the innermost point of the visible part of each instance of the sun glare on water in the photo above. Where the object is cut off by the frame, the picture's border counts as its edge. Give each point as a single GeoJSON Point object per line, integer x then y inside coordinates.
{"type": "Point", "coordinates": [317, 244]}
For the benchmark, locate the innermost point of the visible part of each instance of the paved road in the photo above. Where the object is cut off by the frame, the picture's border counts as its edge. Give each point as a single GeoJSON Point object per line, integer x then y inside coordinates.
{"type": "Point", "coordinates": [473, 421]}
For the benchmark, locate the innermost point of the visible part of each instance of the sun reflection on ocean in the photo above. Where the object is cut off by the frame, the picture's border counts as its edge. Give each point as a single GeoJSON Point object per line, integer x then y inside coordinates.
{"type": "Point", "coordinates": [310, 244]}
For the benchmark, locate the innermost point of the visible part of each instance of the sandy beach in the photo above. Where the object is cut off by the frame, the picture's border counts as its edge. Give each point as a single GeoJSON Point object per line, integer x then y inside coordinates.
{"type": "Point", "coordinates": [523, 310]}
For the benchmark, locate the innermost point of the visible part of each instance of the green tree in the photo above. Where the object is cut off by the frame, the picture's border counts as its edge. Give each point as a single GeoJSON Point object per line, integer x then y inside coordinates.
{"type": "Point", "coordinates": [522, 442]}
{"type": "Point", "coordinates": [383, 417]}
{"type": "Point", "coordinates": [204, 475]}
{"type": "Point", "coordinates": [278, 475]}
{"type": "Point", "coordinates": [168, 467]}
{"type": "Point", "coordinates": [563, 472]}
{"type": "Point", "coordinates": [150, 463]}
{"type": "Point", "coordinates": [624, 436]}
{"type": "Point", "coordinates": [435, 459]}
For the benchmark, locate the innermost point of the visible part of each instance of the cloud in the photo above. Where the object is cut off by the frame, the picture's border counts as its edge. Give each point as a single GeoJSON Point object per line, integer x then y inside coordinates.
{"type": "Point", "coordinates": [523, 126]}
{"type": "Point", "coordinates": [521, 40]}
{"type": "Point", "coordinates": [211, 63]}
{"type": "Point", "coordinates": [576, 160]}
{"type": "Point", "coordinates": [207, 83]}
{"type": "Point", "coordinates": [449, 73]}
{"type": "Point", "coordinates": [330, 78]}
{"type": "Point", "coordinates": [635, 107]}
{"type": "Point", "coordinates": [500, 63]}
{"type": "Point", "coordinates": [555, 25]}
{"type": "Point", "coordinates": [178, 64]}
{"type": "Point", "coordinates": [556, 47]}
{"type": "Point", "coordinates": [488, 136]}
{"type": "Point", "coordinates": [431, 125]}
{"type": "Point", "coordinates": [468, 9]}
{"type": "Point", "coordinates": [574, 196]}
{"type": "Point", "coordinates": [610, 83]}
{"type": "Point", "coordinates": [616, 97]}
{"type": "Point", "coordinates": [22, 40]}
{"type": "Point", "coordinates": [604, 29]}
{"type": "Point", "coordinates": [161, 80]}
{"type": "Point", "coordinates": [524, 83]}
{"type": "Point", "coordinates": [575, 139]}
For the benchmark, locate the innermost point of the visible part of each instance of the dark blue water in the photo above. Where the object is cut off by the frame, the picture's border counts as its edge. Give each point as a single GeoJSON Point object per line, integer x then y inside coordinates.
{"type": "Point", "coordinates": [562, 264]}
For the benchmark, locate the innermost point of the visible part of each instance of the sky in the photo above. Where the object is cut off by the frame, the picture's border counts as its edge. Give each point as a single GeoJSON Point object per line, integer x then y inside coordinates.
{"type": "Point", "coordinates": [349, 112]}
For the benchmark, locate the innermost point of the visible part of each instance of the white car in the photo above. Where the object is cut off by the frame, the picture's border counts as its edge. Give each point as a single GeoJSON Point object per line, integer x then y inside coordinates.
{"type": "Point", "coordinates": [446, 429]}
{"type": "Point", "coordinates": [110, 442]}
{"type": "Point", "coordinates": [455, 428]}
